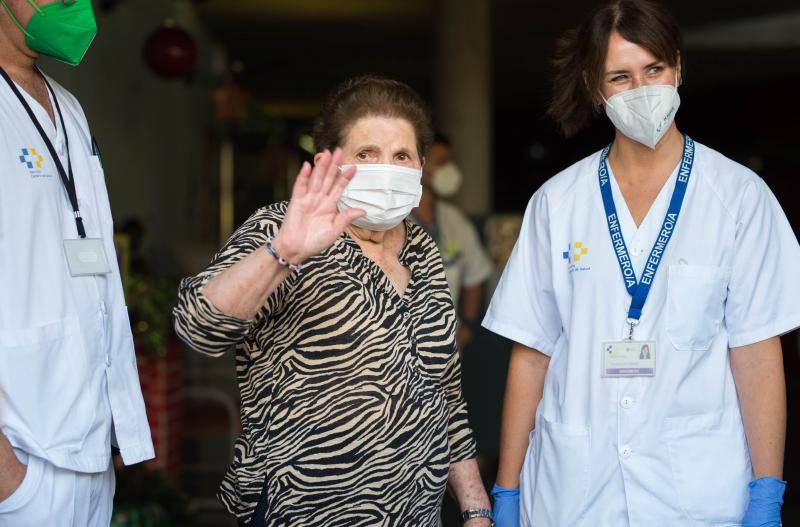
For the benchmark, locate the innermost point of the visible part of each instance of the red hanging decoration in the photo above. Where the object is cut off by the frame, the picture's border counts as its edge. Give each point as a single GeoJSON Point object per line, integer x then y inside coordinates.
{"type": "Point", "coordinates": [171, 52]}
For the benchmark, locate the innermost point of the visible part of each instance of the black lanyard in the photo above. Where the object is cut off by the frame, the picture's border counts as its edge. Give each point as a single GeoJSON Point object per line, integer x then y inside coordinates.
{"type": "Point", "coordinates": [67, 178]}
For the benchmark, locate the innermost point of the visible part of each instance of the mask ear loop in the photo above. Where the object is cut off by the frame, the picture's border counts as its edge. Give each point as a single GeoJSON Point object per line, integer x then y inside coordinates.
{"type": "Point", "coordinates": [36, 7]}
{"type": "Point", "coordinates": [14, 18]}
{"type": "Point", "coordinates": [606, 100]}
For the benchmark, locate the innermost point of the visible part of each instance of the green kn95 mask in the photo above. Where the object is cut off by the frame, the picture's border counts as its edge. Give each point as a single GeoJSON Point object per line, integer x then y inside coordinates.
{"type": "Point", "coordinates": [63, 30]}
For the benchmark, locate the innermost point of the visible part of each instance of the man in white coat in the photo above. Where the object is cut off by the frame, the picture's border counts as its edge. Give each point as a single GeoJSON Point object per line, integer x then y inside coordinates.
{"type": "Point", "coordinates": [69, 388]}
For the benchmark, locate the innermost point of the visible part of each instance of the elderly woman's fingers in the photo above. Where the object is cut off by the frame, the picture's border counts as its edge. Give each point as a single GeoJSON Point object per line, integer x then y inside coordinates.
{"type": "Point", "coordinates": [346, 217]}
{"type": "Point", "coordinates": [332, 172]}
{"type": "Point", "coordinates": [301, 183]}
{"type": "Point", "coordinates": [321, 165]}
{"type": "Point", "coordinates": [342, 179]}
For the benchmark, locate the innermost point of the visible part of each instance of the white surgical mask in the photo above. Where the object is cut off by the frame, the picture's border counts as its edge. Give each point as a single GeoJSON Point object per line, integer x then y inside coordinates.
{"type": "Point", "coordinates": [387, 193]}
{"type": "Point", "coordinates": [446, 180]}
{"type": "Point", "coordinates": [644, 114]}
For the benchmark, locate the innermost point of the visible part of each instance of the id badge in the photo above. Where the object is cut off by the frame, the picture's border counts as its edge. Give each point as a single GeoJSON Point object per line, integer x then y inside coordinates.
{"type": "Point", "coordinates": [86, 256]}
{"type": "Point", "coordinates": [629, 358]}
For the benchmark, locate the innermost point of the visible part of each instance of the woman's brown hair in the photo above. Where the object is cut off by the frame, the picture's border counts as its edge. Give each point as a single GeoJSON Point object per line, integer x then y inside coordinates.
{"type": "Point", "coordinates": [580, 55]}
{"type": "Point", "coordinates": [371, 96]}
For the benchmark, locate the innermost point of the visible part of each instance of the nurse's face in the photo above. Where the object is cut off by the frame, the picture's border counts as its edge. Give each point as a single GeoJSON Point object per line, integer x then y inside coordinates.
{"type": "Point", "coordinates": [384, 140]}
{"type": "Point", "coordinates": [629, 66]}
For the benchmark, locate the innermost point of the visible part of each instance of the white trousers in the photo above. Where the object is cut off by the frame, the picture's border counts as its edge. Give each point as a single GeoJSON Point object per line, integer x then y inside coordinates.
{"type": "Point", "coordinates": [56, 497]}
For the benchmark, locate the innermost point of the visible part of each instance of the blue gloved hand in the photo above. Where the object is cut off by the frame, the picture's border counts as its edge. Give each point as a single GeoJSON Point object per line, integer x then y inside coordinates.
{"type": "Point", "coordinates": [506, 506]}
{"type": "Point", "coordinates": [766, 498]}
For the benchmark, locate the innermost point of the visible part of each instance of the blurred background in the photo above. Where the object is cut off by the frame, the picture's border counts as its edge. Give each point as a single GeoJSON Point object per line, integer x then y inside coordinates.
{"type": "Point", "coordinates": [202, 110]}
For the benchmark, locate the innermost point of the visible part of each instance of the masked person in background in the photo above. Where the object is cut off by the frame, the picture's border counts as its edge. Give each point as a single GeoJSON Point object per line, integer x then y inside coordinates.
{"type": "Point", "coordinates": [655, 241]}
{"type": "Point", "coordinates": [338, 307]}
{"type": "Point", "coordinates": [68, 380]}
{"type": "Point", "coordinates": [465, 262]}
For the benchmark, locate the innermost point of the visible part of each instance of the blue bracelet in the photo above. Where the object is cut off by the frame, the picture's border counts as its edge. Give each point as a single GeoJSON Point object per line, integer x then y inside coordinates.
{"type": "Point", "coordinates": [281, 260]}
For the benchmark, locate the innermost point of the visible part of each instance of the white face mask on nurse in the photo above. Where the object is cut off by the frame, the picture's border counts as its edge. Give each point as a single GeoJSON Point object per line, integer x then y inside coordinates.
{"type": "Point", "coordinates": [640, 92]}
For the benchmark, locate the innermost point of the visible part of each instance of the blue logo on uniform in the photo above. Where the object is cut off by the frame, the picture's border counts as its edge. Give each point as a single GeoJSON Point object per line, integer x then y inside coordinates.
{"type": "Point", "coordinates": [574, 252]}
{"type": "Point", "coordinates": [33, 160]}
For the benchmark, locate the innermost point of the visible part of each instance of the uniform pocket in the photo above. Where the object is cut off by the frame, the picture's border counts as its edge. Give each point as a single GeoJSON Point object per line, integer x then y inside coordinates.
{"type": "Point", "coordinates": [557, 474]}
{"type": "Point", "coordinates": [695, 305]}
{"type": "Point", "coordinates": [710, 466]}
{"type": "Point", "coordinates": [14, 506]}
{"type": "Point", "coordinates": [41, 370]}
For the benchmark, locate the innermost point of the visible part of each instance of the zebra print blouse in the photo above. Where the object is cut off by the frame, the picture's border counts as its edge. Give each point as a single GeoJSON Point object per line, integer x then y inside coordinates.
{"type": "Point", "coordinates": [352, 408]}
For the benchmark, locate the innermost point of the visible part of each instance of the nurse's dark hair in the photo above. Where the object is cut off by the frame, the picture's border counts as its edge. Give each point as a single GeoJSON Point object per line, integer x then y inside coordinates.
{"type": "Point", "coordinates": [580, 54]}
{"type": "Point", "coordinates": [370, 95]}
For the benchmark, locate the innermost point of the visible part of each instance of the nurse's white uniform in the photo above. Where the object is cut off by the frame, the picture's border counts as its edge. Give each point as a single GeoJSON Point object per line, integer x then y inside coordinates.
{"type": "Point", "coordinates": [68, 376]}
{"type": "Point", "coordinates": [668, 450]}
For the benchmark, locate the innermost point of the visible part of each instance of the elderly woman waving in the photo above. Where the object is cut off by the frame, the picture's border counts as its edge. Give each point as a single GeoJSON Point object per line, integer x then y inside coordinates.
{"type": "Point", "coordinates": [352, 412]}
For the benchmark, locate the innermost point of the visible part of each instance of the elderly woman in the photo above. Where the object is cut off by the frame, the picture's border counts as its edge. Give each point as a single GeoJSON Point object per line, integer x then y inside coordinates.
{"type": "Point", "coordinates": [352, 412]}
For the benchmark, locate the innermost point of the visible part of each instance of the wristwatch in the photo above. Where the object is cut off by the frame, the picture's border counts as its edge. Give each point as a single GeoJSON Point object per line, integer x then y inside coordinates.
{"type": "Point", "coordinates": [476, 513]}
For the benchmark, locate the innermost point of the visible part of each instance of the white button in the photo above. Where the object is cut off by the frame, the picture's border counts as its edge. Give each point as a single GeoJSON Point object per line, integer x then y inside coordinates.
{"type": "Point", "coordinates": [406, 315]}
{"type": "Point", "coordinates": [636, 251]}
{"type": "Point", "coordinates": [626, 402]}
{"type": "Point", "coordinates": [625, 452]}
{"type": "Point", "coordinates": [60, 148]}
{"type": "Point", "coordinates": [108, 359]}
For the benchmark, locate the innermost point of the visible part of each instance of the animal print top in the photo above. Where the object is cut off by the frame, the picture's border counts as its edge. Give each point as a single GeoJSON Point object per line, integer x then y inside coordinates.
{"type": "Point", "coordinates": [352, 408]}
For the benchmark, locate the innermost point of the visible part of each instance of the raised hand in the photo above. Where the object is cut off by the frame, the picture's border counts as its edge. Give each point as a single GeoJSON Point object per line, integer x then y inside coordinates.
{"type": "Point", "coordinates": [313, 222]}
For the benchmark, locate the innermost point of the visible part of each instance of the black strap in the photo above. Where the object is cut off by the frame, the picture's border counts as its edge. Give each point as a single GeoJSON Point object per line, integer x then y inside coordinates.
{"type": "Point", "coordinates": [67, 178]}
{"type": "Point", "coordinates": [259, 517]}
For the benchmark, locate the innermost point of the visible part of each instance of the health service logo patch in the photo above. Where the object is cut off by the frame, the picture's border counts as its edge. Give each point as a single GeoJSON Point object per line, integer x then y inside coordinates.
{"type": "Point", "coordinates": [576, 253]}
{"type": "Point", "coordinates": [33, 161]}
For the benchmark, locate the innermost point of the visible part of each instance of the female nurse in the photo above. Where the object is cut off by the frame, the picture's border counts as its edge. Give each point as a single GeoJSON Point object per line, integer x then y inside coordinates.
{"type": "Point", "coordinates": [657, 241]}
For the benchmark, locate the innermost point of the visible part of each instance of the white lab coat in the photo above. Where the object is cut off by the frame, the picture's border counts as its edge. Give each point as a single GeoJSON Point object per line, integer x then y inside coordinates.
{"type": "Point", "coordinates": [668, 450]}
{"type": "Point", "coordinates": [67, 364]}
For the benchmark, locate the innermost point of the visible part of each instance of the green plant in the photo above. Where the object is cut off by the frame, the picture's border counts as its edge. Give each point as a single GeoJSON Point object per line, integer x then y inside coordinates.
{"type": "Point", "coordinates": [150, 300]}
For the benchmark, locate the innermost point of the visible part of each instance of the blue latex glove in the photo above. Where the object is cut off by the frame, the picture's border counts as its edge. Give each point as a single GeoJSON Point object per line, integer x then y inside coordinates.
{"type": "Point", "coordinates": [766, 498]}
{"type": "Point", "coordinates": [506, 506]}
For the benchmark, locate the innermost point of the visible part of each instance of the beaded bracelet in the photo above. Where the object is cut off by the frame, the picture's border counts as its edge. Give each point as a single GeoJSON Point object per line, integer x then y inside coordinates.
{"type": "Point", "coordinates": [281, 260]}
